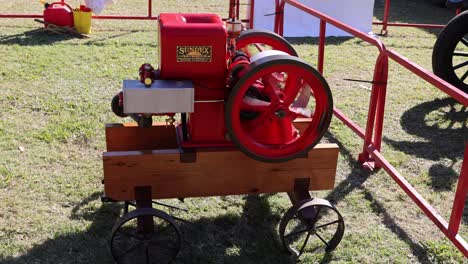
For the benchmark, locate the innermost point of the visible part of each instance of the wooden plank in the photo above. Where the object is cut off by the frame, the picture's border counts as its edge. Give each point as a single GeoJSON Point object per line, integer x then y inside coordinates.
{"type": "Point", "coordinates": [302, 123]}
{"type": "Point", "coordinates": [125, 137]}
{"type": "Point", "coordinates": [221, 172]}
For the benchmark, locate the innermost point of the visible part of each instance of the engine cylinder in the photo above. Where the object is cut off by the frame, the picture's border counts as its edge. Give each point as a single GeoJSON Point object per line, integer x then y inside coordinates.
{"type": "Point", "coordinates": [192, 46]}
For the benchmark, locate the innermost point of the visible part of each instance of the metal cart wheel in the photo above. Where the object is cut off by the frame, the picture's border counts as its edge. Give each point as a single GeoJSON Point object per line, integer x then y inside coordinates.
{"type": "Point", "coordinates": [145, 235]}
{"type": "Point", "coordinates": [263, 104]}
{"type": "Point", "coordinates": [257, 40]}
{"type": "Point", "coordinates": [450, 55]}
{"type": "Point", "coordinates": [311, 225]}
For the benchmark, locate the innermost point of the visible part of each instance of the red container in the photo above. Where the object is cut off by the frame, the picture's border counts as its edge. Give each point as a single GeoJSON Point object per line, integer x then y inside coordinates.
{"type": "Point", "coordinates": [192, 46]}
{"type": "Point", "coordinates": [59, 14]}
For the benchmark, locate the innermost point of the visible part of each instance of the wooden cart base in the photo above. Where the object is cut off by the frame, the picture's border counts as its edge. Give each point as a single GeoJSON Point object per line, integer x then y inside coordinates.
{"type": "Point", "coordinates": [138, 157]}
{"type": "Point", "coordinates": [142, 164]}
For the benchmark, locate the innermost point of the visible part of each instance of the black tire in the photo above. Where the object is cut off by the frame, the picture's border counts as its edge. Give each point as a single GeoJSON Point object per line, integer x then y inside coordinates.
{"type": "Point", "coordinates": [453, 34]}
{"type": "Point", "coordinates": [116, 108]}
{"type": "Point", "coordinates": [439, 3]}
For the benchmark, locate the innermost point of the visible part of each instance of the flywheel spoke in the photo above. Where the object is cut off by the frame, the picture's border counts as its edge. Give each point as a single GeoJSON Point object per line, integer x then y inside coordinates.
{"type": "Point", "coordinates": [259, 47]}
{"type": "Point", "coordinates": [137, 245]}
{"type": "Point", "coordinates": [460, 65]}
{"type": "Point", "coordinates": [291, 89]}
{"type": "Point", "coordinates": [460, 54]}
{"type": "Point", "coordinates": [279, 77]}
{"type": "Point", "coordinates": [297, 232]}
{"type": "Point", "coordinates": [323, 240]}
{"type": "Point", "coordinates": [141, 251]}
{"type": "Point", "coordinates": [311, 209]}
{"type": "Point", "coordinates": [327, 224]}
{"type": "Point", "coordinates": [165, 247]}
{"type": "Point", "coordinates": [147, 254]}
{"type": "Point", "coordinates": [259, 121]}
{"type": "Point", "coordinates": [463, 78]}
{"type": "Point", "coordinates": [464, 41]}
{"type": "Point", "coordinates": [270, 87]}
{"type": "Point", "coordinates": [305, 244]}
{"type": "Point", "coordinates": [254, 104]}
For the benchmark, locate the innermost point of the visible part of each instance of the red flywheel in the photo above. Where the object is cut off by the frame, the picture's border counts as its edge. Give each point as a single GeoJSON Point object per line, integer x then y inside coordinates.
{"type": "Point", "coordinates": [256, 40]}
{"type": "Point", "coordinates": [262, 107]}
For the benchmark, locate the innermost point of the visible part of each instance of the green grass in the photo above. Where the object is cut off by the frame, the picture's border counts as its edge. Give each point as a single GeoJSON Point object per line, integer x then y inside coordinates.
{"type": "Point", "coordinates": [55, 93]}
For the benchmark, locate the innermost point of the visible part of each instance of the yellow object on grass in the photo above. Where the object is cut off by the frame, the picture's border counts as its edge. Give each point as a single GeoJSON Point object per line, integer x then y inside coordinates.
{"type": "Point", "coordinates": [82, 21]}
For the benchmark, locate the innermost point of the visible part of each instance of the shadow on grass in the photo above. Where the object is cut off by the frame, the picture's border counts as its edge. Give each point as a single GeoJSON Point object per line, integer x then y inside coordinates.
{"type": "Point", "coordinates": [315, 41]}
{"type": "Point", "coordinates": [355, 181]}
{"type": "Point", "coordinates": [443, 125]}
{"type": "Point", "coordinates": [39, 37]}
{"type": "Point", "coordinates": [34, 37]}
{"type": "Point", "coordinates": [77, 247]}
{"type": "Point", "coordinates": [99, 41]}
{"type": "Point", "coordinates": [249, 238]}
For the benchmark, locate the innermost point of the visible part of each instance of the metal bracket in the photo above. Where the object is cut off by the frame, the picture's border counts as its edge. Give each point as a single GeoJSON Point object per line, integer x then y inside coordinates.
{"type": "Point", "coordinates": [105, 199]}
{"type": "Point", "coordinates": [301, 190]}
{"type": "Point", "coordinates": [274, 14]}
{"type": "Point", "coordinates": [188, 155]}
{"type": "Point", "coordinates": [364, 81]}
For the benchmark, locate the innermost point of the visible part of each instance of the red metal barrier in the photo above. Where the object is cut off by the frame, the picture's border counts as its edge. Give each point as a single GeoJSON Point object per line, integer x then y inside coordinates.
{"type": "Point", "coordinates": [149, 16]}
{"type": "Point", "coordinates": [234, 7]}
{"type": "Point", "coordinates": [386, 24]}
{"type": "Point", "coordinates": [372, 135]}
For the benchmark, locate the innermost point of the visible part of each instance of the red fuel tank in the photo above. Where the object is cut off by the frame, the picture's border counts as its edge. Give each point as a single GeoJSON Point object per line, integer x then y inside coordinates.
{"type": "Point", "coordinates": [59, 14]}
{"type": "Point", "coordinates": [192, 46]}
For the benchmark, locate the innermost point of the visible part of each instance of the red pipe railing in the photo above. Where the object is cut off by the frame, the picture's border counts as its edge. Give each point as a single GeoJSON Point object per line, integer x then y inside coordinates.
{"type": "Point", "coordinates": [429, 77]}
{"type": "Point", "coordinates": [371, 156]}
{"type": "Point", "coordinates": [321, 59]}
{"type": "Point", "coordinates": [460, 196]}
{"type": "Point", "coordinates": [149, 15]}
{"type": "Point", "coordinates": [385, 24]}
{"type": "Point", "coordinates": [234, 10]}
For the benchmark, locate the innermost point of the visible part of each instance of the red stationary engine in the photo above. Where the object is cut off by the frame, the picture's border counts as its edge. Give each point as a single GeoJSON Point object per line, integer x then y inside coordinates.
{"type": "Point", "coordinates": [192, 46]}
{"type": "Point", "coordinates": [246, 88]}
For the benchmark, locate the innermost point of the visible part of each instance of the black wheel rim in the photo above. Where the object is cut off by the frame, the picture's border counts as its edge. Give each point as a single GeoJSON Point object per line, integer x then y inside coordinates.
{"type": "Point", "coordinates": [160, 244]}
{"type": "Point", "coordinates": [311, 226]}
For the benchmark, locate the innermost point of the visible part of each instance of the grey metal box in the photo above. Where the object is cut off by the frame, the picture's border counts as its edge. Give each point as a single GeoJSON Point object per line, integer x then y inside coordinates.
{"type": "Point", "coordinates": [163, 96]}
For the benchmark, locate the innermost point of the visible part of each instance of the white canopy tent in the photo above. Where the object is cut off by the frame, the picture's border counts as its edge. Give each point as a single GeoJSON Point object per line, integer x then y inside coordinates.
{"type": "Point", "coordinates": [357, 13]}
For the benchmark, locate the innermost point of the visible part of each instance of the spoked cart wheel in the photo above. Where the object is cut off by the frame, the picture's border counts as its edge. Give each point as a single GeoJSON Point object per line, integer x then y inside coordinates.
{"type": "Point", "coordinates": [450, 55]}
{"type": "Point", "coordinates": [257, 40]}
{"type": "Point", "coordinates": [312, 225]}
{"type": "Point", "coordinates": [145, 235]}
{"type": "Point", "coordinates": [263, 104]}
